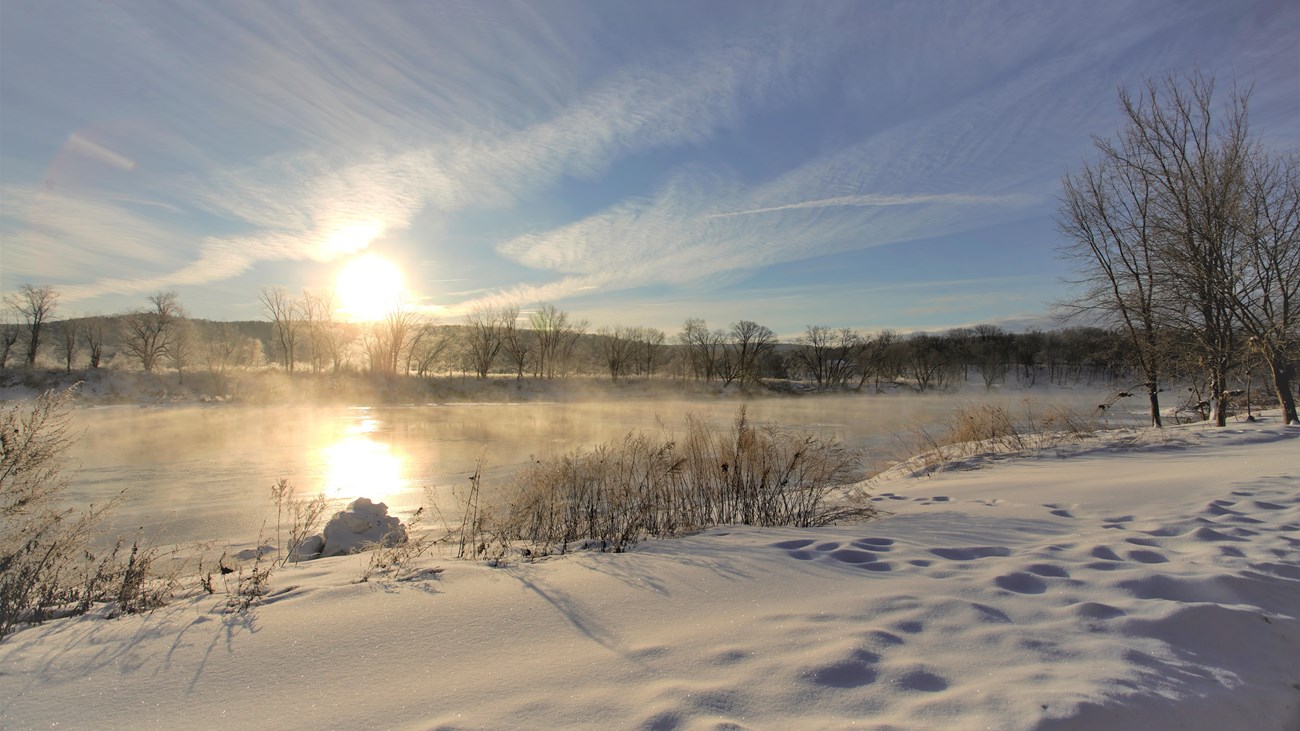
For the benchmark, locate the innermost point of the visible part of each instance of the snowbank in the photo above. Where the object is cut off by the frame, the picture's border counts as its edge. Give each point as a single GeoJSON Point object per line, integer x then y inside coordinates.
{"type": "Point", "coordinates": [1141, 581]}
{"type": "Point", "coordinates": [363, 525]}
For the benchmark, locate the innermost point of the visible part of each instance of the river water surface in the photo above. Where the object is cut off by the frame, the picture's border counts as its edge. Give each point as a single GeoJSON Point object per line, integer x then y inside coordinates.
{"type": "Point", "coordinates": [199, 473]}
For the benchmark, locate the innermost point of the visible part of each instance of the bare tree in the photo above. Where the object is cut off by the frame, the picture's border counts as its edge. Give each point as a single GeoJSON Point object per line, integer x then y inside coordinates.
{"type": "Point", "coordinates": [650, 344]}
{"type": "Point", "coordinates": [94, 333]}
{"type": "Point", "coordinates": [1160, 225]}
{"type": "Point", "coordinates": [67, 342]}
{"type": "Point", "coordinates": [220, 347]}
{"type": "Point", "coordinates": [618, 347]}
{"type": "Point", "coordinates": [828, 355]}
{"type": "Point", "coordinates": [181, 346]}
{"type": "Point", "coordinates": [1106, 215]}
{"type": "Point", "coordinates": [928, 360]}
{"type": "Point", "coordinates": [484, 335]}
{"type": "Point", "coordinates": [874, 357]}
{"type": "Point", "coordinates": [388, 340]}
{"type": "Point", "coordinates": [286, 318]}
{"type": "Point", "coordinates": [747, 345]}
{"type": "Point", "coordinates": [428, 345]}
{"type": "Point", "coordinates": [1267, 296]}
{"type": "Point", "coordinates": [555, 336]}
{"type": "Point", "coordinates": [1197, 166]}
{"type": "Point", "coordinates": [704, 348]}
{"type": "Point", "coordinates": [145, 333]}
{"type": "Point", "coordinates": [317, 313]}
{"type": "Point", "coordinates": [34, 305]}
{"type": "Point", "coordinates": [516, 342]}
{"type": "Point", "coordinates": [8, 334]}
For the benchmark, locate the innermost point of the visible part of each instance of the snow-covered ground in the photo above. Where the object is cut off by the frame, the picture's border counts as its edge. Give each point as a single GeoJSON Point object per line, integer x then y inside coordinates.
{"type": "Point", "coordinates": [1139, 581]}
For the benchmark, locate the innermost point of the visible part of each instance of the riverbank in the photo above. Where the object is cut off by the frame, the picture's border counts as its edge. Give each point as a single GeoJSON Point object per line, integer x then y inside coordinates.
{"type": "Point", "coordinates": [273, 387]}
{"type": "Point", "coordinates": [1142, 579]}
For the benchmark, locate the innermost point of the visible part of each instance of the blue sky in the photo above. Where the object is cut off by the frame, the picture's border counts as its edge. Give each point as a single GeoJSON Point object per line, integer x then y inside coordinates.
{"type": "Point", "coordinates": [862, 164]}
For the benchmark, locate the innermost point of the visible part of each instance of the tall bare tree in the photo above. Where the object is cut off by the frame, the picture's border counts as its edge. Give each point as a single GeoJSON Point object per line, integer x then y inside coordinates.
{"type": "Point", "coordinates": [34, 305]}
{"type": "Point", "coordinates": [650, 346]}
{"type": "Point", "coordinates": [483, 338]}
{"type": "Point", "coordinates": [428, 345]}
{"type": "Point", "coordinates": [317, 312]}
{"type": "Point", "coordinates": [94, 334]}
{"type": "Point", "coordinates": [555, 335]}
{"type": "Point", "coordinates": [67, 343]}
{"type": "Point", "coordinates": [286, 318]}
{"type": "Point", "coordinates": [517, 343]}
{"type": "Point", "coordinates": [703, 347]}
{"type": "Point", "coordinates": [146, 333]}
{"type": "Point", "coordinates": [830, 356]}
{"type": "Point", "coordinates": [1267, 295]}
{"type": "Point", "coordinates": [873, 358]}
{"type": "Point", "coordinates": [181, 347]}
{"type": "Point", "coordinates": [747, 345]}
{"type": "Point", "coordinates": [388, 340]}
{"type": "Point", "coordinates": [1195, 158]}
{"type": "Point", "coordinates": [618, 348]}
{"type": "Point", "coordinates": [1163, 226]}
{"type": "Point", "coordinates": [9, 331]}
{"type": "Point", "coordinates": [1106, 216]}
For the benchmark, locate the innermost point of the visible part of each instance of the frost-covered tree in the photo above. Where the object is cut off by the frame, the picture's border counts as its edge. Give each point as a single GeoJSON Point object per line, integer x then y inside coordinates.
{"type": "Point", "coordinates": [146, 333]}
{"type": "Point", "coordinates": [34, 305]}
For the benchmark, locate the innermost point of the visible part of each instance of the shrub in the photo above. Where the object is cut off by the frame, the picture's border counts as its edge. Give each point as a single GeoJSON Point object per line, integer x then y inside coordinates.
{"type": "Point", "coordinates": [616, 494]}
{"type": "Point", "coordinates": [48, 567]}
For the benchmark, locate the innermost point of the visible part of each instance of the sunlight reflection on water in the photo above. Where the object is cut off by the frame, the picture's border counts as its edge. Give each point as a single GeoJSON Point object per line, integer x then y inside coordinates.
{"type": "Point", "coordinates": [357, 466]}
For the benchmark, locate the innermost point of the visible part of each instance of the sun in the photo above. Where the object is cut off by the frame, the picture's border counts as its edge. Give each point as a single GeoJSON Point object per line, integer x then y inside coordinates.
{"type": "Point", "coordinates": [368, 288]}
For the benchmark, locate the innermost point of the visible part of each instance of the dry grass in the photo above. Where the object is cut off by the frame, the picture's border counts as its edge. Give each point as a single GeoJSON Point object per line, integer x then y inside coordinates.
{"type": "Point", "coordinates": [619, 493]}
{"type": "Point", "coordinates": [47, 565]}
{"type": "Point", "coordinates": [981, 429]}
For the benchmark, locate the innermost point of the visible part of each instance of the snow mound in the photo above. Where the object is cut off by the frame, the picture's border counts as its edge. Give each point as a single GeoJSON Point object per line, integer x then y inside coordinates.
{"type": "Point", "coordinates": [362, 525]}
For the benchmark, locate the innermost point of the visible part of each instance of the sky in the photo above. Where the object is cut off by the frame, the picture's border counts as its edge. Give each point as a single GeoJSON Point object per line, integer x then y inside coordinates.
{"type": "Point", "coordinates": [867, 164]}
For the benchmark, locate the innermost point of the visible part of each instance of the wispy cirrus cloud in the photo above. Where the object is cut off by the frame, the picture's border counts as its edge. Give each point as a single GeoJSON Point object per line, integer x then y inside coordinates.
{"type": "Point", "coordinates": [718, 139]}
{"type": "Point", "coordinates": [292, 205]}
{"type": "Point", "coordinates": [878, 199]}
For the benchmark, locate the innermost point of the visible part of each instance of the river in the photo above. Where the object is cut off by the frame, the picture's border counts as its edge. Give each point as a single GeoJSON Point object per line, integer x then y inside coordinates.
{"type": "Point", "coordinates": [204, 472]}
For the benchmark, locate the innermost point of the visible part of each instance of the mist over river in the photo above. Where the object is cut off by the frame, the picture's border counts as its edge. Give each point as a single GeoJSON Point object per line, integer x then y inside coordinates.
{"type": "Point", "coordinates": [204, 472]}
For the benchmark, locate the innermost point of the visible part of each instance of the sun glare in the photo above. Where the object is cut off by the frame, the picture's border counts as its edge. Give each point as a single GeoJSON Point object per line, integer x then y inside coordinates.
{"type": "Point", "coordinates": [368, 288]}
{"type": "Point", "coordinates": [357, 465]}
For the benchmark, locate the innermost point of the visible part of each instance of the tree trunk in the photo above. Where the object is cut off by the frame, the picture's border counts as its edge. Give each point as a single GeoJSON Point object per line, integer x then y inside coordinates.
{"type": "Point", "coordinates": [1153, 392]}
{"type": "Point", "coordinates": [1282, 373]}
{"type": "Point", "coordinates": [1219, 397]}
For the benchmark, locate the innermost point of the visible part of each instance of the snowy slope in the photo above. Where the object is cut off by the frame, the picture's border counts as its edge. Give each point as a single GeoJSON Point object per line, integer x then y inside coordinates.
{"type": "Point", "coordinates": [1147, 581]}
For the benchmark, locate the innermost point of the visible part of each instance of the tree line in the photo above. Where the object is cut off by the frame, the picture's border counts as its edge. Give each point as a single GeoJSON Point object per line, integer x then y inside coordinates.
{"type": "Point", "coordinates": [300, 334]}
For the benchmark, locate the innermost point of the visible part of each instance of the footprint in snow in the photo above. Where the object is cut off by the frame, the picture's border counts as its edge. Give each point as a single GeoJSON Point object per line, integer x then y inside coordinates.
{"type": "Point", "coordinates": [1104, 553]}
{"type": "Point", "coordinates": [850, 555]}
{"type": "Point", "coordinates": [853, 673]}
{"type": "Point", "coordinates": [923, 681]}
{"type": "Point", "coordinates": [1021, 583]}
{"type": "Point", "coordinates": [970, 554]}
{"type": "Point", "coordinates": [1147, 557]}
{"type": "Point", "coordinates": [1048, 569]}
{"type": "Point", "coordinates": [1098, 610]}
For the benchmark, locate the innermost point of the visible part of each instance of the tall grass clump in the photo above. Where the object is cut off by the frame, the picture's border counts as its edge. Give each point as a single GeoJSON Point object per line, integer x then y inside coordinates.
{"type": "Point", "coordinates": [619, 493]}
{"type": "Point", "coordinates": [975, 429]}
